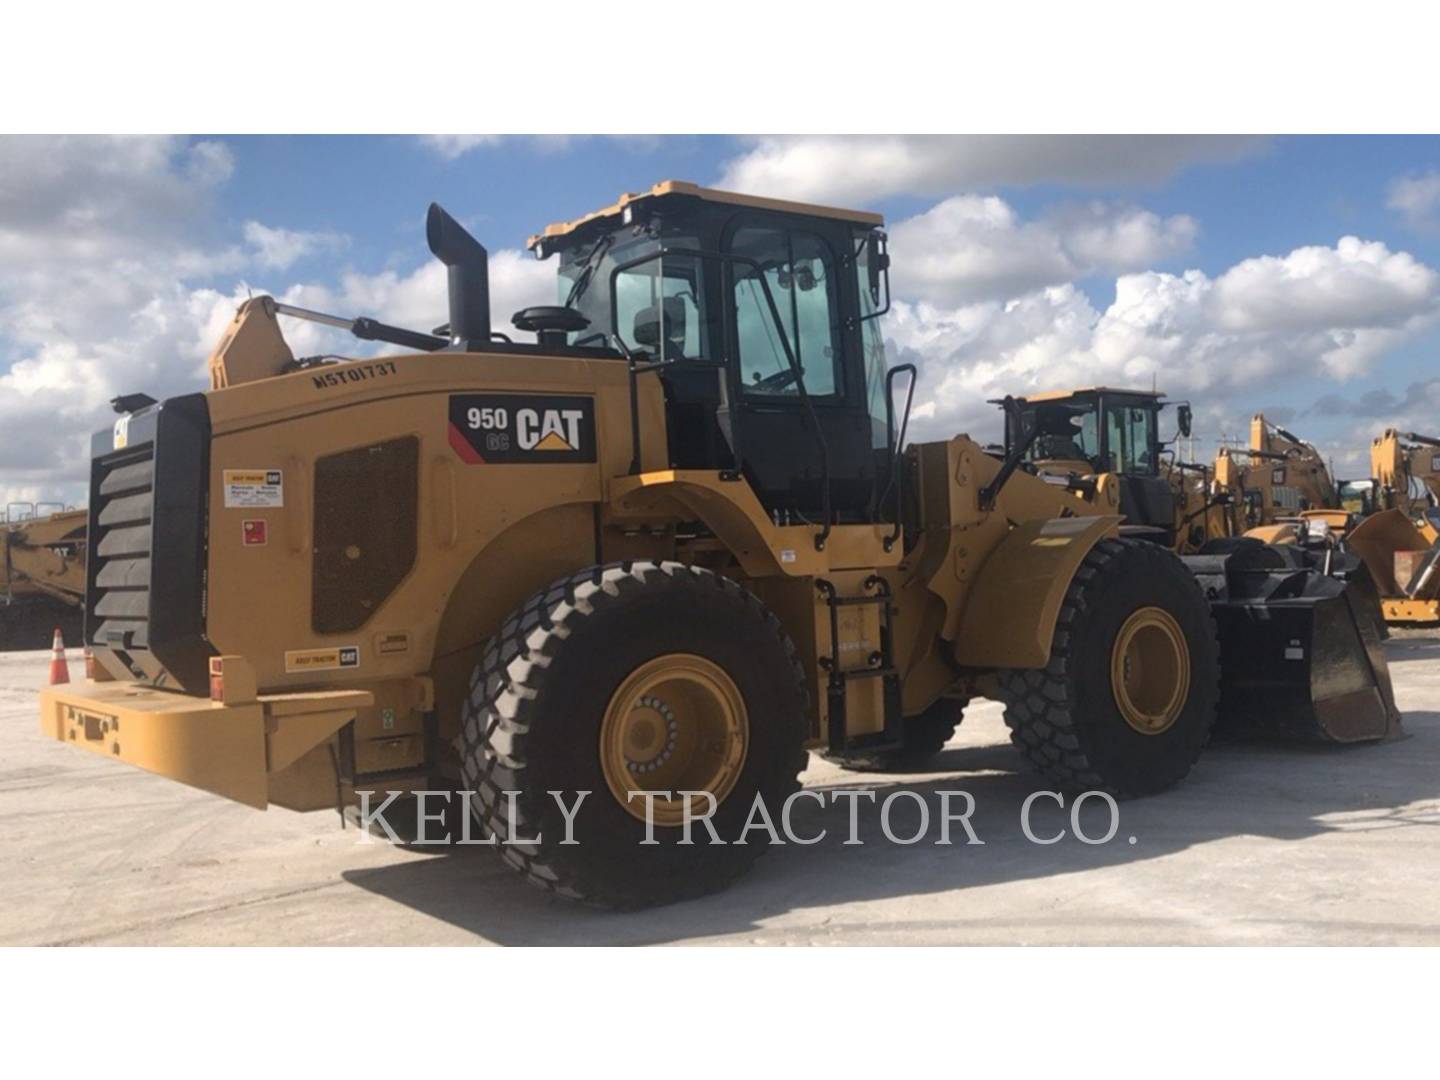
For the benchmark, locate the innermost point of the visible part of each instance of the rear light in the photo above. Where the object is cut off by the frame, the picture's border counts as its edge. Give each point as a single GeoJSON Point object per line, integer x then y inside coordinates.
{"type": "Point", "coordinates": [232, 680]}
{"type": "Point", "coordinates": [89, 664]}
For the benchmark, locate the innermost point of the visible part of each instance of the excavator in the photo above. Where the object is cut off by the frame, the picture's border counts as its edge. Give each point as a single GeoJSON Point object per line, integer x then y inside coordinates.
{"type": "Point", "coordinates": [1398, 537]}
{"type": "Point", "coordinates": [42, 574]}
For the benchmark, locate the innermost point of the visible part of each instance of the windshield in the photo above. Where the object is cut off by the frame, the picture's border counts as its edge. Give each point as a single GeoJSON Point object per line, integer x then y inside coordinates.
{"type": "Point", "coordinates": [1082, 444]}
{"type": "Point", "coordinates": [657, 308]}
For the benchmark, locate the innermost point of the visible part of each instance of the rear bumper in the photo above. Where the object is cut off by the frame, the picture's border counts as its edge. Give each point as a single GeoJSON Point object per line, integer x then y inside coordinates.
{"type": "Point", "coordinates": [228, 749]}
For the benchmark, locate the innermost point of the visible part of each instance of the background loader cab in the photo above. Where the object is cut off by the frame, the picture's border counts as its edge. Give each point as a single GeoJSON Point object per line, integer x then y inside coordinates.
{"type": "Point", "coordinates": [761, 323]}
{"type": "Point", "coordinates": [1115, 432]}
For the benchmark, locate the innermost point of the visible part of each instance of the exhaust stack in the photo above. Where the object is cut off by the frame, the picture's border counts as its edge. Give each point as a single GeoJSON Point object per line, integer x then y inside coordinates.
{"type": "Point", "coordinates": [469, 278]}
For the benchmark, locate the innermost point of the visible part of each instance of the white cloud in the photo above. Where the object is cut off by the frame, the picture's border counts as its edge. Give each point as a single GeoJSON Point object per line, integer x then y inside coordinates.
{"type": "Point", "coordinates": [856, 168]}
{"type": "Point", "coordinates": [1354, 284]}
{"type": "Point", "coordinates": [1417, 198]}
{"type": "Point", "coordinates": [450, 147]}
{"type": "Point", "coordinates": [276, 249]}
{"type": "Point", "coordinates": [1315, 312]}
{"type": "Point", "coordinates": [118, 275]}
{"type": "Point", "coordinates": [973, 247]}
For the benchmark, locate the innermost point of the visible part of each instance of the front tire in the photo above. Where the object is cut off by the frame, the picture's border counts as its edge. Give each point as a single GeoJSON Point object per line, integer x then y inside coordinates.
{"type": "Point", "coordinates": [1128, 699]}
{"type": "Point", "coordinates": [633, 676]}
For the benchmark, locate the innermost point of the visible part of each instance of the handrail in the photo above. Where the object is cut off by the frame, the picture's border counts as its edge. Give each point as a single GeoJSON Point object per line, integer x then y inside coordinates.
{"type": "Point", "coordinates": [795, 370]}
{"type": "Point", "coordinates": [897, 477]}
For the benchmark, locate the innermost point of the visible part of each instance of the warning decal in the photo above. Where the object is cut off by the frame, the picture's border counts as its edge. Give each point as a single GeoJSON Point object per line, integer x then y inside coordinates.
{"type": "Point", "coordinates": [254, 488]}
{"type": "Point", "coordinates": [345, 656]}
{"type": "Point", "coordinates": [522, 429]}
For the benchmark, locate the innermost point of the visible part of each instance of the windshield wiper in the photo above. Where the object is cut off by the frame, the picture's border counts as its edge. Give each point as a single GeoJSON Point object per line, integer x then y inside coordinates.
{"type": "Point", "coordinates": [587, 269]}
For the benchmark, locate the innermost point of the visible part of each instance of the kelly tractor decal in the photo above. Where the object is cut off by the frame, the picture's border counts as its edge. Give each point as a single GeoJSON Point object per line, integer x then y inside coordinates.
{"type": "Point", "coordinates": [522, 429]}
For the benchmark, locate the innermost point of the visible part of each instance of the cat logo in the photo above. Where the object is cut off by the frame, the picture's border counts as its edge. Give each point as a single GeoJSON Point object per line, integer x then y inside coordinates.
{"type": "Point", "coordinates": [550, 429]}
{"type": "Point", "coordinates": [522, 429]}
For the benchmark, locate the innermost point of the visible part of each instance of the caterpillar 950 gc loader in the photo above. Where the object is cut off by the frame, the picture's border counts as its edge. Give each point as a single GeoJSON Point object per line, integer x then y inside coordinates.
{"type": "Point", "coordinates": [653, 555]}
{"type": "Point", "coordinates": [42, 574]}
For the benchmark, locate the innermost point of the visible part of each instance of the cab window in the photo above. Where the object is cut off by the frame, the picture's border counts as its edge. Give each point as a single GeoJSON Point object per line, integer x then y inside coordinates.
{"type": "Point", "coordinates": [798, 267]}
{"type": "Point", "coordinates": [1082, 444]}
{"type": "Point", "coordinates": [1130, 436]}
{"type": "Point", "coordinates": [657, 310]}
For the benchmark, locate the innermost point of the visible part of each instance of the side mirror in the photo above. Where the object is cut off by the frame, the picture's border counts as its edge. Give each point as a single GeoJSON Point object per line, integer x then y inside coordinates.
{"type": "Point", "coordinates": [1182, 418]}
{"type": "Point", "coordinates": [877, 272]}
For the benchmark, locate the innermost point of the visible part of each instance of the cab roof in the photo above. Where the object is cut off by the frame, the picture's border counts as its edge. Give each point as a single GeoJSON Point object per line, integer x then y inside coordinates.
{"type": "Point", "coordinates": [685, 187]}
{"type": "Point", "coordinates": [1058, 395]}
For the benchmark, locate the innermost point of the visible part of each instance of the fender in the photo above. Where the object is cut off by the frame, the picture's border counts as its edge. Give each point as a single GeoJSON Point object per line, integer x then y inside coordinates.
{"type": "Point", "coordinates": [1009, 617]}
{"type": "Point", "coordinates": [731, 509]}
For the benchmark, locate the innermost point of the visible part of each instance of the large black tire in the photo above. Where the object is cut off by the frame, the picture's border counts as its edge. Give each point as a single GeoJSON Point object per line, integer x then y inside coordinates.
{"type": "Point", "coordinates": [1065, 719]}
{"type": "Point", "coordinates": [534, 717]}
{"type": "Point", "coordinates": [924, 736]}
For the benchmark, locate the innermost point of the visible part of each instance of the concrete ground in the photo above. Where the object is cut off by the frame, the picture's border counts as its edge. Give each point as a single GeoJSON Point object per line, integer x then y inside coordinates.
{"type": "Point", "coordinates": [1262, 844]}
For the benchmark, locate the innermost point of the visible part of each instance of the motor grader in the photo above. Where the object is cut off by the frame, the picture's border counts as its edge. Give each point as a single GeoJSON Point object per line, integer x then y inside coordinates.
{"type": "Point", "coordinates": [653, 554]}
{"type": "Point", "coordinates": [42, 574]}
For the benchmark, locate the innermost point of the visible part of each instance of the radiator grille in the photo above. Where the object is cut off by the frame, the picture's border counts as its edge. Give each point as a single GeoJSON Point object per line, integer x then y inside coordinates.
{"type": "Point", "coordinates": [122, 527]}
{"type": "Point", "coordinates": [145, 599]}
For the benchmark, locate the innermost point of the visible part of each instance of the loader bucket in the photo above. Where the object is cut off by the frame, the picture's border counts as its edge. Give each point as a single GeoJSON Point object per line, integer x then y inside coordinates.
{"type": "Point", "coordinates": [1378, 539]}
{"type": "Point", "coordinates": [1300, 649]}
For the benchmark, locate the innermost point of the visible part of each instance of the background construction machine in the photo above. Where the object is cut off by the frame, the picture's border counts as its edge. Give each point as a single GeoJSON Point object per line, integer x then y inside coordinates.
{"type": "Point", "coordinates": [1398, 538]}
{"type": "Point", "coordinates": [42, 574]}
{"type": "Point", "coordinates": [1284, 478]}
{"type": "Point", "coordinates": [652, 555]}
{"type": "Point", "coordinates": [1113, 452]}
{"type": "Point", "coordinates": [1277, 578]}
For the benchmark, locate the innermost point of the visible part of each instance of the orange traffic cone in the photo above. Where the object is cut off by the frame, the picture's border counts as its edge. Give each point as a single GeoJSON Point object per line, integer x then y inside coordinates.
{"type": "Point", "coordinates": [59, 669]}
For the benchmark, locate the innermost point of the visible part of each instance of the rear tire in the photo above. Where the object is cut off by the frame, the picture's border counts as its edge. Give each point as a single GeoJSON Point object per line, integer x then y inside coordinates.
{"type": "Point", "coordinates": [542, 712]}
{"type": "Point", "coordinates": [924, 736]}
{"type": "Point", "coordinates": [1069, 719]}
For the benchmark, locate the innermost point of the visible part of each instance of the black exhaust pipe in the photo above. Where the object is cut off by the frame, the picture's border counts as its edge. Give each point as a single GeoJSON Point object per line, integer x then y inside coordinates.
{"type": "Point", "coordinates": [469, 278]}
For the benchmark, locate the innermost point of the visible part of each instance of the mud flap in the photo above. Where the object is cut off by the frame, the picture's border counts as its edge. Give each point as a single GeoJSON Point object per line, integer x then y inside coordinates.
{"type": "Point", "coordinates": [1300, 649]}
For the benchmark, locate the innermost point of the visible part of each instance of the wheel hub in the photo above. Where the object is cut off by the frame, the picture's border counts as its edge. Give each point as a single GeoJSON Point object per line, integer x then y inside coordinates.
{"type": "Point", "coordinates": [676, 723]}
{"type": "Point", "coordinates": [1150, 670]}
{"type": "Point", "coordinates": [650, 734]}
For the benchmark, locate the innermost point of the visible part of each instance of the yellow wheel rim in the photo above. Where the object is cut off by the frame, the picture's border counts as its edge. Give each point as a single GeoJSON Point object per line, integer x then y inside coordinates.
{"type": "Point", "coordinates": [677, 723]}
{"type": "Point", "coordinates": [1150, 670]}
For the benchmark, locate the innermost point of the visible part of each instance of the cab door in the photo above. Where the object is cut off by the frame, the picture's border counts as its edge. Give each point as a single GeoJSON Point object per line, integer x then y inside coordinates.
{"type": "Point", "coordinates": [768, 417]}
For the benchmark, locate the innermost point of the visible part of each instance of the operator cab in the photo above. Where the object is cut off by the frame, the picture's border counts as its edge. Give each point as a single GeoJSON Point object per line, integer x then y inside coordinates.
{"type": "Point", "coordinates": [1101, 430]}
{"type": "Point", "coordinates": [760, 318]}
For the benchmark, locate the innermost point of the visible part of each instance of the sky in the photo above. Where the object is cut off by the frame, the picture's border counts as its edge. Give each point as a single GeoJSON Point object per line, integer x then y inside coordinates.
{"type": "Point", "coordinates": [1297, 276]}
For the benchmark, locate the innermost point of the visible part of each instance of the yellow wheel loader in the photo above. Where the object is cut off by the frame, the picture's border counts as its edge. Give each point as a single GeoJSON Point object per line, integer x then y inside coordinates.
{"type": "Point", "coordinates": [614, 570]}
{"type": "Point", "coordinates": [42, 574]}
{"type": "Point", "coordinates": [1284, 588]}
